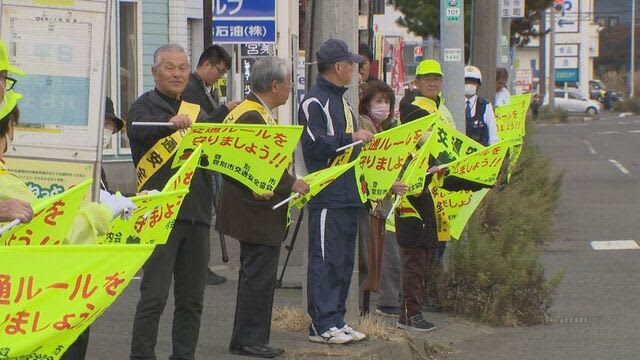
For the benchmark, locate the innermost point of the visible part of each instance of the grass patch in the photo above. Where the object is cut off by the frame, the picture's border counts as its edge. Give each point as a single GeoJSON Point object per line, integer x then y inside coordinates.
{"type": "Point", "coordinates": [494, 273]}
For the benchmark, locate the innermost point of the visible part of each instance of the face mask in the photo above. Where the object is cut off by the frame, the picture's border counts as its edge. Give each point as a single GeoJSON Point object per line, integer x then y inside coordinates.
{"type": "Point", "coordinates": [379, 111]}
{"type": "Point", "coordinates": [106, 137]}
{"type": "Point", "coordinates": [470, 90]}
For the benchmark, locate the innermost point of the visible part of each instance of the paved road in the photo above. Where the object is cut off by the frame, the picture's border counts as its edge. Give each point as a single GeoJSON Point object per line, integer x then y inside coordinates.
{"type": "Point", "coordinates": [595, 310]}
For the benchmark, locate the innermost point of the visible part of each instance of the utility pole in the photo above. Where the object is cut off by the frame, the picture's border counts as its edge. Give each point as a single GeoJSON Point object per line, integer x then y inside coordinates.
{"type": "Point", "coordinates": [452, 45]}
{"type": "Point", "coordinates": [632, 67]}
{"type": "Point", "coordinates": [336, 19]}
{"type": "Point", "coordinates": [485, 44]}
{"type": "Point", "coordinates": [207, 21]}
{"type": "Point", "coordinates": [542, 55]}
{"type": "Point", "coordinates": [552, 60]}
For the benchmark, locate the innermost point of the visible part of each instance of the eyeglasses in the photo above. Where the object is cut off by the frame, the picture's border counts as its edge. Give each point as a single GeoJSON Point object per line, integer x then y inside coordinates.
{"type": "Point", "coordinates": [9, 83]}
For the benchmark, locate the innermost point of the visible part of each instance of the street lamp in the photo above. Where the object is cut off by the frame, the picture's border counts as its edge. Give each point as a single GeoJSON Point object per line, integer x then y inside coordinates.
{"type": "Point", "coordinates": [632, 66]}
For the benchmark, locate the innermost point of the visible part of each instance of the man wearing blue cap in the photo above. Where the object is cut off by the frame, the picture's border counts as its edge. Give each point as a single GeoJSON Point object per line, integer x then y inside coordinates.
{"type": "Point", "coordinates": [329, 123]}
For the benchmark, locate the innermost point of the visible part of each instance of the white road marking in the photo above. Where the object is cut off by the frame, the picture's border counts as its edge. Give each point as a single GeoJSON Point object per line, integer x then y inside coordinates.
{"type": "Point", "coordinates": [615, 245]}
{"type": "Point", "coordinates": [136, 278]}
{"type": "Point", "coordinates": [590, 147]}
{"type": "Point", "coordinates": [634, 131]}
{"type": "Point", "coordinates": [608, 132]}
{"type": "Point", "coordinates": [619, 166]}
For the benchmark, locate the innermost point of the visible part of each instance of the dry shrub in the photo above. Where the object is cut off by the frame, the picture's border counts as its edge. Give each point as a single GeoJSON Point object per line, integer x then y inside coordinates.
{"type": "Point", "coordinates": [494, 273]}
{"type": "Point", "coordinates": [290, 319]}
{"type": "Point", "coordinates": [379, 329]}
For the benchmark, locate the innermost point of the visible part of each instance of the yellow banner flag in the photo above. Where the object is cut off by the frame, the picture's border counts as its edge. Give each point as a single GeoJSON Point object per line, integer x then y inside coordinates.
{"type": "Point", "coordinates": [182, 178]}
{"type": "Point", "coordinates": [524, 100]}
{"type": "Point", "coordinates": [414, 174]}
{"type": "Point", "coordinates": [52, 220]}
{"type": "Point", "coordinates": [510, 121]}
{"type": "Point", "coordinates": [150, 223]}
{"type": "Point", "coordinates": [50, 294]}
{"type": "Point", "coordinates": [453, 210]}
{"type": "Point", "coordinates": [447, 144]}
{"type": "Point", "coordinates": [254, 155]}
{"type": "Point", "coordinates": [382, 159]}
{"type": "Point", "coordinates": [318, 180]}
{"type": "Point", "coordinates": [483, 166]}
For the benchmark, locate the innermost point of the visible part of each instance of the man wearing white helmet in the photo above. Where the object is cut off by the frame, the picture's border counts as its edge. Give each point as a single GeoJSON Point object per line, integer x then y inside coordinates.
{"type": "Point", "coordinates": [480, 121]}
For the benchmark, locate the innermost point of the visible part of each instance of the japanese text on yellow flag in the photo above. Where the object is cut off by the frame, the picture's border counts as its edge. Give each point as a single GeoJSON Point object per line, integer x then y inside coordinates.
{"type": "Point", "coordinates": [51, 294]}
{"type": "Point", "coordinates": [453, 210]}
{"type": "Point", "coordinates": [382, 159]}
{"type": "Point", "coordinates": [510, 121]}
{"type": "Point", "coordinates": [447, 144]}
{"type": "Point", "coordinates": [318, 180]}
{"type": "Point", "coordinates": [255, 155]}
{"type": "Point", "coordinates": [150, 223]}
{"type": "Point", "coordinates": [52, 220]}
{"type": "Point", "coordinates": [483, 166]}
{"type": "Point", "coordinates": [524, 100]}
{"type": "Point", "coordinates": [164, 149]}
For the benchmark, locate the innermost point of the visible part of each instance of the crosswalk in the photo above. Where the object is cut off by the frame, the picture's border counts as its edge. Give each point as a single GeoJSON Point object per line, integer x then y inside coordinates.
{"type": "Point", "coordinates": [614, 245]}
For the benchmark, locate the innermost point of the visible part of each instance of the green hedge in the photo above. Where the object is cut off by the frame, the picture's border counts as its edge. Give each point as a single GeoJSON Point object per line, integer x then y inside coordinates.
{"type": "Point", "coordinates": [494, 273]}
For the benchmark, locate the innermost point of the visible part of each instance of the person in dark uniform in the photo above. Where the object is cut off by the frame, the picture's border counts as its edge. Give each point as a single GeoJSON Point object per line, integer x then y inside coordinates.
{"type": "Point", "coordinates": [480, 120]}
{"type": "Point", "coordinates": [249, 218]}
{"type": "Point", "coordinates": [213, 64]}
{"type": "Point", "coordinates": [185, 256]}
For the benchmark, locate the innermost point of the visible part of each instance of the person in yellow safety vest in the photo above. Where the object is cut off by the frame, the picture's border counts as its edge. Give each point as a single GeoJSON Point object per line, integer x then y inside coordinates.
{"type": "Point", "coordinates": [415, 218]}
{"type": "Point", "coordinates": [426, 98]}
{"type": "Point", "coordinates": [93, 218]}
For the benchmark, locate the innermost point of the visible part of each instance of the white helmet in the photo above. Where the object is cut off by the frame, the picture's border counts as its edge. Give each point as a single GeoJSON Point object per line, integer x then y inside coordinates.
{"type": "Point", "coordinates": [472, 72]}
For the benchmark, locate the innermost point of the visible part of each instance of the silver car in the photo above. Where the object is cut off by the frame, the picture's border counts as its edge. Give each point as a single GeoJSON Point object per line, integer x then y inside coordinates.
{"type": "Point", "coordinates": [574, 102]}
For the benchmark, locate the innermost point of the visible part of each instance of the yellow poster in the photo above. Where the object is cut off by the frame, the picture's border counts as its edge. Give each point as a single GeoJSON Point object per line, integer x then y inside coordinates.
{"type": "Point", "coordinates": [150, 223]}
{"type": "Point", "coordinates": [382, 159]}
{"type": "Point", "coordinates": [447, 144]}
{"type": "Point", "coordinates": [46, 177]}
{"type": "Point", "coordinates": [254, 155]}
{"type": "Point", "coordinates": [51, 294]}
{"type": "Point", "coordinates": [182, 178]}
{"type": "Point", "coordinates": [52, 220]}
{"type": "Point", "coordinates": [318, 180]}
{"type": "Point", "coordinates": [483, 166]}
{"type": "Point", "coordinates": [414, 174]}
{"type": "Point", "coordinates": [510, 121]}
{"type": "Point", "coordinates": [454, 209]}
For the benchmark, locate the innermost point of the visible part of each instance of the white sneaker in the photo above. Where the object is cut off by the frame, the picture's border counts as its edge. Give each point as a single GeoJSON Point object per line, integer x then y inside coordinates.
{"type": "Point", "coordinates": [331, 336]}
{"type": "Point", "coordinates": [355, 335]}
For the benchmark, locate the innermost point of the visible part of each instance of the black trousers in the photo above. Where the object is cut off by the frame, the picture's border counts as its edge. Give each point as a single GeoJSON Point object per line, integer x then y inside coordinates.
{"type": "Point", "coordinates": [256, 286]}
{"type": "Point", "coordinates": [183, 258]}
{"type": "Point", "coordinates": [78, 349]}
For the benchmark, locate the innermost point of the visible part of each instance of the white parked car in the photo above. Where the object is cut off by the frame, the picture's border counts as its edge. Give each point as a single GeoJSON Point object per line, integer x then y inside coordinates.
{"type": "Point", "coordinates": [574, 102]}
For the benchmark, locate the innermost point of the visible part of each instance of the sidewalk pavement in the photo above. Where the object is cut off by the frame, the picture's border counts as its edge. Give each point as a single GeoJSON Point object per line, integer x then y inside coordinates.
{"type": "Point", "coordinates": [111, 333]}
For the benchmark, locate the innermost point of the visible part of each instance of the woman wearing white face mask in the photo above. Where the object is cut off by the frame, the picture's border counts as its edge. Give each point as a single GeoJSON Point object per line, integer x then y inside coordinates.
{"type": "Point", "coordinates": [480, 120]}
{"type": "Point", "coordinates": [376, 115]}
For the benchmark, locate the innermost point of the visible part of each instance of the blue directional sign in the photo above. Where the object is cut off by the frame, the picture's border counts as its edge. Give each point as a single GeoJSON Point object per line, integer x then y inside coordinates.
{"type": "Point", "coordinates": [244, 21]}
{"type": "Point", "coordinates": [566, 75]}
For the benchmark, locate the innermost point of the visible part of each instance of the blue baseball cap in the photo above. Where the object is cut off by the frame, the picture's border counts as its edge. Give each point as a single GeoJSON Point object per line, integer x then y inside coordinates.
{"type": "Point", "coordinates": [334, 50]}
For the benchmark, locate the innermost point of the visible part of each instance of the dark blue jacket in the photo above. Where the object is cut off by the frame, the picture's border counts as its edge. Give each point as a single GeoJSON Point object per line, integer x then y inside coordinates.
{"type": "Point", "coordinates": [322, 115]}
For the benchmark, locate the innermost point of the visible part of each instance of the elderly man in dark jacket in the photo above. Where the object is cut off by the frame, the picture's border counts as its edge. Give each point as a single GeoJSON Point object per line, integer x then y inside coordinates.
{"type": "Point", "coordinates": [333, 214]}
{"type": "Point", "coordinates": [249, 218]}
{"type": "Point", "coordinates": [185, 255]}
